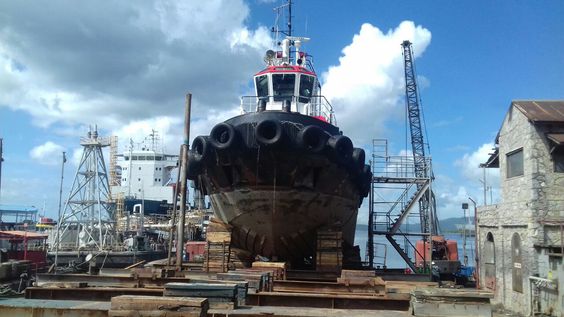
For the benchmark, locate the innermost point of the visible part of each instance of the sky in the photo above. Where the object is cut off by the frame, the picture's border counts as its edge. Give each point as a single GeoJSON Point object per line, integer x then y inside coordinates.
{"type": "Point", "coordinates": [126, 67]}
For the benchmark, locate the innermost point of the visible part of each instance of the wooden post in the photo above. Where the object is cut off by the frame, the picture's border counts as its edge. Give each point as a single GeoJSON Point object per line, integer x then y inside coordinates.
{"type": "Point", "coordinates": [172, 232]}
{"type": "Point", "coordinates": [183, 181]}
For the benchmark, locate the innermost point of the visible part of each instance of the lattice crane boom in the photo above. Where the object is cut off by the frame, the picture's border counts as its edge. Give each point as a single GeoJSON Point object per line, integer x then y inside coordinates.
{"type": "Point", "coordinates": [427, 203]}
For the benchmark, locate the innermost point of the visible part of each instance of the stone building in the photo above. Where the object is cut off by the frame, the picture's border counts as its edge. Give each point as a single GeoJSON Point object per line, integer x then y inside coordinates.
{"type": "Point", "coordinates": [521, 238]}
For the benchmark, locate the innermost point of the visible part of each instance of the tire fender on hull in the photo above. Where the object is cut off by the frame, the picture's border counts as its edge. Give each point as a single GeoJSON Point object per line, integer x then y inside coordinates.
{"type": "Point", "coordinates": [341, 148]}
{"type": "Point", "coordinates": [269, 133]}
{"type": "Point", "coordinates": [312, 138]}
{"type": "Point", "coordinates": [201, 148]}
{"type": "Point", "coordinates": [194, 167]}
{"type": "Point", "coordinates": [223, 136]}
{"type": "Point", "coordinates": [358, 158]}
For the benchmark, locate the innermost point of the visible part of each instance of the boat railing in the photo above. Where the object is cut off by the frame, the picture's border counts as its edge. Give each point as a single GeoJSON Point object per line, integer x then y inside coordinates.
{"type": "Point", "coordinates": [316, 106]}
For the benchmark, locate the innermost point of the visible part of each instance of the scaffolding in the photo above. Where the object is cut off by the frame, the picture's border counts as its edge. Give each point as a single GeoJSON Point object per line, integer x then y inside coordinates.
{"type": "Point", "coordinates": [396, 192]}
{"type": "Point", "coordinates": [115, 178]}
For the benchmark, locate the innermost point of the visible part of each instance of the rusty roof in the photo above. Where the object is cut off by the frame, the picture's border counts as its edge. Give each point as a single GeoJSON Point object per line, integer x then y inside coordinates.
{"type": "Point", "coordinates": [541, 111]}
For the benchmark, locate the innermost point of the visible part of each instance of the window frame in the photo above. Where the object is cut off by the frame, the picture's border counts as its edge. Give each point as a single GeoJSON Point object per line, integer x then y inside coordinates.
{"type": "Point", "coordinates": [291, 92]}
{"type": "Point", "coordinates": [509, 167]}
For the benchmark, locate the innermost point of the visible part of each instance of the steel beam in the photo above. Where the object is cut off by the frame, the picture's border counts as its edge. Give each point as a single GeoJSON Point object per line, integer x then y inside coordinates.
{"type": "Point", "coordinates": [328, 301]}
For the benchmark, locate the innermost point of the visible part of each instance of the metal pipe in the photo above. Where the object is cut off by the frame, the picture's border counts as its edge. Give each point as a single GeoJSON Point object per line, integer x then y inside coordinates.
{"type": "Point", "coordinates": [57, 240]}
{"type": "Point", "coordinates": [476, 244]}
{"type": "Point", "coordinates": [370, 248]}
{"type": "Point", "coordinates": [183, 181]}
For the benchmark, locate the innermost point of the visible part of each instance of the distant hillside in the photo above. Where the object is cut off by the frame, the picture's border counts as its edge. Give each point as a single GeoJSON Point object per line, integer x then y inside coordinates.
{"type": "Point", "coordinates": [446, 225]}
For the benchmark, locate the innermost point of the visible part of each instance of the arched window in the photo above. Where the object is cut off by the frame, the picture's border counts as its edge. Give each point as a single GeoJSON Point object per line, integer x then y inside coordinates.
{"type": "Point", "coordinates": [516, 259]}
{"type": "Point", "coordinates": [489, 261]}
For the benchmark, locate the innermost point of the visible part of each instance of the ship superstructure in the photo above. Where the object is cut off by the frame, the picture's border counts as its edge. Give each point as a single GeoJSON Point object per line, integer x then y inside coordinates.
{"type": "Point", "coordinates": [145, 176]}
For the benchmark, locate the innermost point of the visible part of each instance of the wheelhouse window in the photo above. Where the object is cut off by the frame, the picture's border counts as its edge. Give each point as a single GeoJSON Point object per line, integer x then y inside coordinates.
{"type": "Point", "coordinates": [261, 83]}
{"type": "Point", "coordinates": [283, 86]}
{"type": "Point", "coordinates": [306, 88]}
{"type": "Point", "coordinates": [515, 163]}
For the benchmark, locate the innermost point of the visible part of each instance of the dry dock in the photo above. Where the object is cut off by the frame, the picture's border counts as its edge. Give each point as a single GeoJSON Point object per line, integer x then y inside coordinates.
{"type": "Point", "coordinates": [241, 292]}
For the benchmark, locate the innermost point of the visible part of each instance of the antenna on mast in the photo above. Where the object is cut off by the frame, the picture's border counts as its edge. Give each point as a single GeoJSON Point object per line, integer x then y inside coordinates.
{"type": "Point", "coordinates": [278, 10]}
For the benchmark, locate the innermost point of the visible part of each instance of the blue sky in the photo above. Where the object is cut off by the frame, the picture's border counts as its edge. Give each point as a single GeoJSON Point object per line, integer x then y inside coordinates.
{"type": "Point", "coordinates": [126, 66]}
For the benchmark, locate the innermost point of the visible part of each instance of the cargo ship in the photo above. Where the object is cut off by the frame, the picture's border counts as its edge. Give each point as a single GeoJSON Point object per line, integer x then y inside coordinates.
{"type": "Point", "coordinates": [282, 169]}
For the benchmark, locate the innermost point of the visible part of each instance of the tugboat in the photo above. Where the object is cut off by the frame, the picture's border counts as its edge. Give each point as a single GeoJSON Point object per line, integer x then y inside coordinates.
{"type": "Point", "coordinates": [282, 169]}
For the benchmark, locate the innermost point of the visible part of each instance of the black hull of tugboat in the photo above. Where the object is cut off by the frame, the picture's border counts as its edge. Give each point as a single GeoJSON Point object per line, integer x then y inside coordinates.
{"type": "Point", "coordinates": [277, 177]}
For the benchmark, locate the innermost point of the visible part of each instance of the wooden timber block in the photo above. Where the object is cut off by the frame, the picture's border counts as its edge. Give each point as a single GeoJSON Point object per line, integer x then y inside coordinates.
{"type": "Point", "coordinates": [278, 269]}
{"type": "Point", "coordinates": [372, 281]}
{"type": "Point", "coordinates": [265, 275]}
{"type": "Point", "coordinates": [218, 236]}
{"type": "Point", "coordinates": [63, 284]}
{"type": "Point", "coordinates": [152, 313]}
{"type": "Point", "coordinates": [257, 281]}
{"type": "Point", "coordinates": [146, 305]}
{"type": "Point", "coordinates": [358, 273]}
{"type": "Point", "coordinates": [242, 288]}
{"type": "Point", "coordinates": [203, 289]}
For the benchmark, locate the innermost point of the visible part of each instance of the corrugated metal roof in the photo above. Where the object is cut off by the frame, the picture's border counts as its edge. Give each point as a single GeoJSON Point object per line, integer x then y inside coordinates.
{"type": "Point", "coordinates": [541, 111]}
{"type": "Point", "coordinates": [557, 138]}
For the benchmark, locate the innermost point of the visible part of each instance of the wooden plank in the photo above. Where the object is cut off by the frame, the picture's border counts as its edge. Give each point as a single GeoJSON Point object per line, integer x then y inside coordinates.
{"type": "Point", "coordinates": [149, 305]}
{"type": "Point", "coordinates": [373, 281]}
{"type": "Point", "coordinates": [328, 288]}
{"type": "Point", "coordinates": [152, 313]}
{"type": "Point", "coordinates": [358, 273]}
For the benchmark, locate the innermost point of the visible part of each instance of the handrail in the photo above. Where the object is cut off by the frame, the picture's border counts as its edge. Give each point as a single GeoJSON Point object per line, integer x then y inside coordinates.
{"type": "Point", "coordinates": [318, 105]}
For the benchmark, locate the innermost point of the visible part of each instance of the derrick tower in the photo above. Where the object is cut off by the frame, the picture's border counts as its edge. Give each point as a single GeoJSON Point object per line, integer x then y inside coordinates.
{"type": "Point", "coordinates": [88, 218]}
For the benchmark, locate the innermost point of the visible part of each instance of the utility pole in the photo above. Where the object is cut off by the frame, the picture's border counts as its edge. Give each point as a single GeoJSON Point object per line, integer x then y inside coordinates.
{"type": "Point", "coordinates": [57, 242]}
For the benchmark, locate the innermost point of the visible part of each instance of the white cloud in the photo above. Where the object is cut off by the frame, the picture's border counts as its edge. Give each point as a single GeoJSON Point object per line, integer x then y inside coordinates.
{"type": "Point", "coordinates": [48, 153]}
{"type": "Point", "coordinates": [367, 87]}
{"type": "Point", "coordinates": [134, 62]}
{"type": "Point", "coordinates": [470, 162]}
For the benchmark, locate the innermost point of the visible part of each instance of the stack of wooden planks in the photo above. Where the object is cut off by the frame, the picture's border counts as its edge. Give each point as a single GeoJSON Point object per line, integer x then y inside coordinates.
{"type": "Point", "coordinates": [278, 269]}
{"type": "Point", "coordinates": [218, 248]}
{"type": "Point", "coordinates": [240, 259]}
{"type": "Point", "coordinates": [329, 256]}
{"type": "Point", "coordinates": [156, 306]}
{"type": "Point", "coordinates": [363, 278]}
{"type": "Point", "coordinates": [219, 295]}
{"type": "Point", "coordinates": [258, 281]}
{"type": "Point", "coordinates": [242, 287]}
